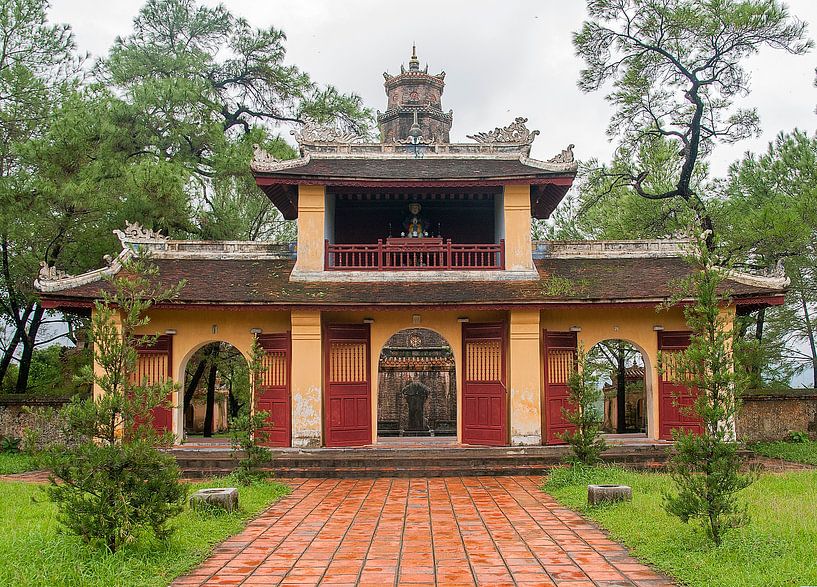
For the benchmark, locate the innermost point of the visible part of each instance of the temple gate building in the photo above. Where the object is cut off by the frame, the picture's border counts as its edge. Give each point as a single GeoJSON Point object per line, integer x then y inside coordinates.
{"type": "Point", "coordinates": [407, 235]}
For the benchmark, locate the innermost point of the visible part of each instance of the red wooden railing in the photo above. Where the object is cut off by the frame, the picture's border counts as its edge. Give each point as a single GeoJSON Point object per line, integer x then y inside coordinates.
{"type": "Point", "coordinates": [427, 254]}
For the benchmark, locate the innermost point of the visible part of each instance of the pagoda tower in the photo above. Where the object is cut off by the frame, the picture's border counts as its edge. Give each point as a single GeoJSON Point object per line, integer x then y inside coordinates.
{"type": "Point", "coordinates": [414, 96]}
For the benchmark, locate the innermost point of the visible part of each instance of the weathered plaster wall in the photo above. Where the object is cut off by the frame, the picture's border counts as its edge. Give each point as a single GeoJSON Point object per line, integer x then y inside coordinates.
{"type": "Point", "coordinates": [518, 246]}
{"type": "Point", "coordinates": [386, 324]}
{"type": "Point", "coordinates": [632, 324]}
{"type": "Point", "coordinates": [307, 377]}
{"type": "Point", "coordinates": [311, 212]}
{"type": "Point", "coordinates": [524, 378]}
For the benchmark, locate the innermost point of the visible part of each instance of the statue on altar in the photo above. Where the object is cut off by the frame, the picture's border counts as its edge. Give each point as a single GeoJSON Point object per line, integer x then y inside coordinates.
{"type": "Point", "coordinates": [415, 226]}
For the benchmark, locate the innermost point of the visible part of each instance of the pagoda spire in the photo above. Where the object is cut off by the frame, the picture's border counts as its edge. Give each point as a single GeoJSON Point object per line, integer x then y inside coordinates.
{"type": "Point", "coordinates": [414, 63]}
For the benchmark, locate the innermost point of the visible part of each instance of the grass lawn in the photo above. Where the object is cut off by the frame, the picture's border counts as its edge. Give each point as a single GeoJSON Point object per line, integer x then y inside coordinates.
{"type": "Point", "coordinates": [16, 462]}
{"type": "Point", "coordinates": [33, 552]}
{"type": "Point", "coordinates": [777, 548]}
{"type": "Point", "coordinates": [799, 452]}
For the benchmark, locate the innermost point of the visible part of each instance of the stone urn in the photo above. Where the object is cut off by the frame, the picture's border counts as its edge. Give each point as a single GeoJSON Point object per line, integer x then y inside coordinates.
{"type": "Point", "coordinates": [225, 498]}
{"type": "Point", "coordinates": [601, 494]}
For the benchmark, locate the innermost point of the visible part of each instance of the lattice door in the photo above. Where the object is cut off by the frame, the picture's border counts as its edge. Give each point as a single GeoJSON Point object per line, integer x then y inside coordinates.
{"type": "Point", "coordinates": [347, 368]}
{"type": "Point", "coordinates": [484, 393]}
{"type": "Point", "coordinates": [560, 360]}
{"type": "Point", "coordinates": [274, 395]}
{"type": "Point", "coordinates": [675, 400]}
{"type": "Point", "coordinates": [154, 365]}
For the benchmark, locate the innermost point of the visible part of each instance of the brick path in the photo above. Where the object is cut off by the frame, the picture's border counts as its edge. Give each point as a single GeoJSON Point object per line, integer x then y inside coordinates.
{"type": "Point", "coordinates": [443, 531]}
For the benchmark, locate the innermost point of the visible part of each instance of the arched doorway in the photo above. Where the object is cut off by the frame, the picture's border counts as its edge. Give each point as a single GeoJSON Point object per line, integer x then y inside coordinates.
{"type": "Point", "coordinates": [216, 387]}
{"type": "Point", "coordinates": [417, 386]}
{"type": "Point", "coordinates": [623, 379]}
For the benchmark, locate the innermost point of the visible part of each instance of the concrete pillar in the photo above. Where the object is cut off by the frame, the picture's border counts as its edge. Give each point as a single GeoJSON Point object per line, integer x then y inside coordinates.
{"type": "Point", "coordinates": [311, 212]}
{"type": "Point", "coordinates": [518, 245]}
{"type": "Point", "coordinates": [524, 368]}
{"type": "Point", "coordinates": [307, 370]}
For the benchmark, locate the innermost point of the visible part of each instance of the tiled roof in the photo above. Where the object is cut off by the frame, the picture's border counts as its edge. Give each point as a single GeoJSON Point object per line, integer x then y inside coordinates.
{"type": "Point", "coordinates": [266, 282]}
{"type": "Point", "coordinates": [411, 169]}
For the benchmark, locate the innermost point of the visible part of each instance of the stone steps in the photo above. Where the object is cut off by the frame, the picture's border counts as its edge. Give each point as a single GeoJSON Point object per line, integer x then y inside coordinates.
{"type": "Point", "coordinates": [411, 462]}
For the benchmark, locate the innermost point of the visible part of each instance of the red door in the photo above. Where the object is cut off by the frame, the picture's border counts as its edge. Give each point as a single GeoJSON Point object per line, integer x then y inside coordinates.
{"type": "Point", "coordinates": [484, 392]}
{"type": "Point", "coordinates": [154, 365]}
{"type": "Point", "coordinates": [559, 362]}
{"type": "Point", "coordinates": [347, 365]}
{"type": "Point", "coordinates": [675, 401]}
{"type": "Point", "coordinates": [274, 391]}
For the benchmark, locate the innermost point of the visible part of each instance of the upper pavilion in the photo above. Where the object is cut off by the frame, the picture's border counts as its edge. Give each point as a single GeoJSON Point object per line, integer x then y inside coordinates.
{"type": "Point", "coordinates": [414, 200]}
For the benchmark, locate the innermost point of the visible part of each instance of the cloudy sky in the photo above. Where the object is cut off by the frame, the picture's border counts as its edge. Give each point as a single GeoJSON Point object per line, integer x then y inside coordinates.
{"type": "Point", "coordinates": [503, 58]}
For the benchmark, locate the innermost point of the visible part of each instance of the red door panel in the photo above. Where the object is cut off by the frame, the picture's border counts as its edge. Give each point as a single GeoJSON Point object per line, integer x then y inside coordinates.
{"type": "Point", "coordinates": [274, 391]}
{"type": "Point", "coordinates": [484, 392]}
{"type": "Point", "coordinates": [154, 365]}
{"type": "Point", "coordinates": [347, 368]}
{"type": "Point", "coordinates": [674, 400]}
{"type": "Point", "coordinates": [559, 362]}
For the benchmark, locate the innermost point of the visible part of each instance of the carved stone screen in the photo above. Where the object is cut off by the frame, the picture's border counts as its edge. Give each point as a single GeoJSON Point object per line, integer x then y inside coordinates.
{"type": "Point", "coordinates": [417, 389]}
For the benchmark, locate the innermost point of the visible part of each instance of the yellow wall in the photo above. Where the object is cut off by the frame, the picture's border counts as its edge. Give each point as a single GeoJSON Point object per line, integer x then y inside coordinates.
{"type": "Point", "coordinates": [311, 201]}
{"type": "Point", "coordinates": [524, 378]}
{"type": "Point", "coordinates": [386, 324]}
{"type": "Point", "coordinates": [525, 386]}
{"type": "Point", "coordinates": [635, 325]}
{"type": "Point", "coordinates": [194, 329]}
{"type": "Point", "coordinates": [518, 246]}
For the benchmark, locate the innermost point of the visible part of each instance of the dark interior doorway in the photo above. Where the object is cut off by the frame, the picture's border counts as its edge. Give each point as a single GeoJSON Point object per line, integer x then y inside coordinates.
{"type": "Point", "coordinates": [417, 389]}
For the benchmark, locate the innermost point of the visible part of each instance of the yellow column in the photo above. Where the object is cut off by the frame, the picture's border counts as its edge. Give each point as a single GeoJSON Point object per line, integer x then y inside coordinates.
{"type": "Point", "coordinates": [524, 378]}
{"type": "Point", "coordinates": [310, 227]}
{"type": "Point", "coordinates": [307, 368]}
{"type": "Point", "coordinates": [518, 246]}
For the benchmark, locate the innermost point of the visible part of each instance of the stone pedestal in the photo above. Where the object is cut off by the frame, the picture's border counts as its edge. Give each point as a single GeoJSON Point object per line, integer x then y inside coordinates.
{"type": "Point", "coordinates": [225, 498]}
{"type": "Point", "coordinates": [601, 494]}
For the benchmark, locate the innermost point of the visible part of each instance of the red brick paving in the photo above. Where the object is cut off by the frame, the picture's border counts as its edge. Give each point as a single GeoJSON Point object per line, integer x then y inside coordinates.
{"type": "Point", "coordinates": [441, 531]}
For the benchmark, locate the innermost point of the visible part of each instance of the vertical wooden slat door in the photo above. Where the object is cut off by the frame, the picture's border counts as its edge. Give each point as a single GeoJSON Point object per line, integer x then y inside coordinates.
{"type": "Point", "coordinates": [675, 400]}
{"type": "Point", "coordinates": [484, 391]}
{"type": "Point", "coordinates": [347, 369]}
{"type": "Point", "coordinates": [154, 366]}
{"type": "Point", "coordinates": [274, 389]}
{"type": "Point", "coordinates": [559, 361]}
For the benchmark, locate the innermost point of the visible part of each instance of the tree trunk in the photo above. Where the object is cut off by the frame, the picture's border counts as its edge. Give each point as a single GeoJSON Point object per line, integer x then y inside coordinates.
{"type": "Point", "coordinates": [621, 392]}
{"type": "Point", "coordinates": [9, 354]}
{"type": "Point", "coordinates": [812, 345]}
{"type": "Point", "coordinates": [211, 400]}
{"type": "Point", "coordinates": [756, 368]}
{"type": "Point", "coordinates": [29, 339]}
{"type": "Point", "coordinates": [194, 383]}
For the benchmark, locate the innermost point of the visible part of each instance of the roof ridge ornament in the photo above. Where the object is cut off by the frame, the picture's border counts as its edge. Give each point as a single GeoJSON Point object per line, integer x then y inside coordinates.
{"type": "Point", "coordinates": [515, 133]}
{"type": "Point", "coordinates": [261, 160]}
{"type": "Point", "coordinates": [136, 232]}
{"type": "Point", "coordinates": [50, 273]}
{"type": "Point", "coordinates": [565, 157]}
{"type": "Point", "coordinates": [312, 132]}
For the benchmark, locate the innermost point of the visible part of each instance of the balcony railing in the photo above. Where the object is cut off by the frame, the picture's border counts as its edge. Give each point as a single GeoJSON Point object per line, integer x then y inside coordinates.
{"type": "Point", "coordinates": [411, 254]}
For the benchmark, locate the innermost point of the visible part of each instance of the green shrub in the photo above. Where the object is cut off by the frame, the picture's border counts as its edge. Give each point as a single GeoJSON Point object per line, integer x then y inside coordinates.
{"type": "Point", "coordinates": [797, 436]}
{"type": "Point", "coordinates": [111, 494]}
{"type": "Point", "coordinates": [113, 485]}
{"type": "Point", "coordinates": [9, 444]}
{"type": "Point", "coordinates": [248, 430]}
{"type": "Point", "coordinates": [583, 395]}
{"type": "Point", "coordinates": [706, 467]}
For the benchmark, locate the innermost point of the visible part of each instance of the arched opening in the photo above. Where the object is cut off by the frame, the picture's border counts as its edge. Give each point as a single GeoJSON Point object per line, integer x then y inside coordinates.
{"type": "Point", "coordinates": [417, 386]}
{"type": "Point", "coordinates": [216, 386]}
{"type": "Point", "coordinates": [622, 370]}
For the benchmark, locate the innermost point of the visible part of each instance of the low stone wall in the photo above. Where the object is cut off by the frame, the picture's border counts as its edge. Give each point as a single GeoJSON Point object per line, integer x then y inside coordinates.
{"type": "Point", "coordinates": [39, 416]}
{"type": "Point", "coordinates": [770, 415]}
